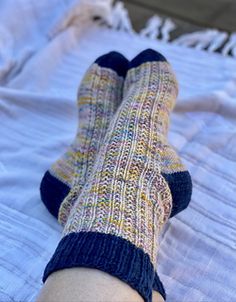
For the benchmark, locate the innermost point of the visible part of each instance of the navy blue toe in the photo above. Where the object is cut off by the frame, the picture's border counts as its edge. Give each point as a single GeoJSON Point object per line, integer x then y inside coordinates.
{"type": "Point", "coordinates": [115, 61]}
{"type": "Point", "coordinates": [148, 55]}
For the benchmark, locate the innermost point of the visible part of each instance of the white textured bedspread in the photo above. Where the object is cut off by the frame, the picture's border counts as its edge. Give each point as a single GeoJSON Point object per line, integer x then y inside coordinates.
{"type": "Point", "coordinates": [39, 77]}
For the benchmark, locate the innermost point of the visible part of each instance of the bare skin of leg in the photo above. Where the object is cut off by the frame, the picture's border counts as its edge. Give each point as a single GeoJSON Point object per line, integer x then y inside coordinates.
{"type": "Point", "coordinates": [88, 285]}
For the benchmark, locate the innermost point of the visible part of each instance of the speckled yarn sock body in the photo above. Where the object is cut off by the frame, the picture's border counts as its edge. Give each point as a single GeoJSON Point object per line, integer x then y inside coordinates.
{"type": "Point", "coordinates": [115, 223]}
{"type": "Point", "coordinates": [99, 95]}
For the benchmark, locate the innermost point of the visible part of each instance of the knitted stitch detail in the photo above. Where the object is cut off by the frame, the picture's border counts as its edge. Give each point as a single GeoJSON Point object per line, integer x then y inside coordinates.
{"type": "Point", "coordinates": [99, 95]}
{"type": "Point", "coordinates": [172, 168]}
{"type": "Point", "coordinates": [127, 197]}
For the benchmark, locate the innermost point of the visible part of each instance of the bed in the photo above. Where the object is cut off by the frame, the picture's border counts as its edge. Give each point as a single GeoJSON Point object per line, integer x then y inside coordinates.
{"type": "Point", "coordinates": [41, 63]}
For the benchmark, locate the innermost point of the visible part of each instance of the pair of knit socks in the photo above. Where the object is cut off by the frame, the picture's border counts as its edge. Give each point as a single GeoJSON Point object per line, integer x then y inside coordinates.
{"type": "Point", "coordinates": [120, 180]}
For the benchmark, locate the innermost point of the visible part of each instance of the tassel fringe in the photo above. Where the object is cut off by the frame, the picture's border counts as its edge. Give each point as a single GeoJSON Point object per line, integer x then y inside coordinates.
{"type": "Point", "coordinates": [230, 46]}
{"type": "Point", "coordinates": [211, 40]}
{"type": "Point", "coordinates": [117, 17]}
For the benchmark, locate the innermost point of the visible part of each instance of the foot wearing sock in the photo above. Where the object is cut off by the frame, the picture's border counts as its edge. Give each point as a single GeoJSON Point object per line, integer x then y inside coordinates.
{"type": "Point", "coordinates": [172, 168]}
{"type": "Point", "coordinates": [73, 168]}
{"type": "Point", "coordinates": [116, 221]}
{"type": "Point", "coordinates": [99, 96]}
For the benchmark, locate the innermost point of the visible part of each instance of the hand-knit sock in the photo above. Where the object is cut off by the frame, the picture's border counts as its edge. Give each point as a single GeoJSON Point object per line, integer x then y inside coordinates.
{"type": "Point", "coordinates": [99, 96]}
{"type": "Point", "coordinates": [116, 221]}
{"type": "Point", "coordinates": [172, 168]}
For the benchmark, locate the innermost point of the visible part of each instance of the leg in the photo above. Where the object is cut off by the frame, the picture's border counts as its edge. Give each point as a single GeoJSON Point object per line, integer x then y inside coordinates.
{"type": "Point", "coordinates": [85, 284]}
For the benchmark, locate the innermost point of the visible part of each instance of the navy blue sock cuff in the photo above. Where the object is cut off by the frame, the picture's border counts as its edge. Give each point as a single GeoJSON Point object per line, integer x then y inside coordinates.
{"type": "Point", "coordinates": [115, 61]}
{"type": "Point", "coordinates": [111, 254]}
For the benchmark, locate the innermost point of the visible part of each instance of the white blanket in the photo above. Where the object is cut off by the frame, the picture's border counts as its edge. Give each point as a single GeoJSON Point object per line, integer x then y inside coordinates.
{"type": "Point", "coordinates": [38, 118]}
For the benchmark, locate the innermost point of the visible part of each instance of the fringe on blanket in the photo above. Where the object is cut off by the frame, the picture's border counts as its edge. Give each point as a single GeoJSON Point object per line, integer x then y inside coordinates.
{"type": "Point", "coordinates": [211, 40]}
{"type": "Point", "coordinates": [116, 16]}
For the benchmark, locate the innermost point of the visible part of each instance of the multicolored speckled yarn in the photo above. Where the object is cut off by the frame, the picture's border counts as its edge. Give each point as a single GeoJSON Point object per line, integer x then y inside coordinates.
{"type": "Point", "coordinates": [99, 96]}
{"type": "Point", "coordinates": [116, 220]}
{"type": "Point", "coordinates": [171, 166]}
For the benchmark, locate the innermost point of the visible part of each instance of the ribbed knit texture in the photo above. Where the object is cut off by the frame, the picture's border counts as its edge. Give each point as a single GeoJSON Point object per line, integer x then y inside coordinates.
{"type": "Point", "coordinates": [172, 168]}
{"type": "Point", "coordinates": [62, 184]}
{"type": "Point", "coordinates": [57, 183]}
{"type": "Point", "coordinates": [99, 95]}
{"type": "Point", "coordinates": [126, 195]}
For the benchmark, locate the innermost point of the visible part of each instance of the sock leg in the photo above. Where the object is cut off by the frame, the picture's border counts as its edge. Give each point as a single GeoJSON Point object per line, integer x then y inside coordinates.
{"type": "Point", "coordinates": [99, 95]}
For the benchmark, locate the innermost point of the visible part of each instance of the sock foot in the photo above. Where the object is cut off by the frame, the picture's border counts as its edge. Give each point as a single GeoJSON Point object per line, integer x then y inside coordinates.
{"type": "Point", "coordinates": [99, 96]}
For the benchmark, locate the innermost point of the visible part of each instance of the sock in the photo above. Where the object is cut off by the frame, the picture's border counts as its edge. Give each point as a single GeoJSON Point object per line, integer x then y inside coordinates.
{"type": "Point", "coordinates": [115, 223]}
{"type": "Point", "coordinates": [99, 95]}
{"type": "Point", "coordinates": [172, 168]}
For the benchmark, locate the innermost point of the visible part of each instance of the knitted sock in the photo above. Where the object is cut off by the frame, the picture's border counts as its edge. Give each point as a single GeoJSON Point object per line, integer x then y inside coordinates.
{"type": "Point", "coordinates": [172, 168]}
{"type": "Point", "coordinates": [116, 221]}
{"type": "Point", "coordinates": [99, 95]}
